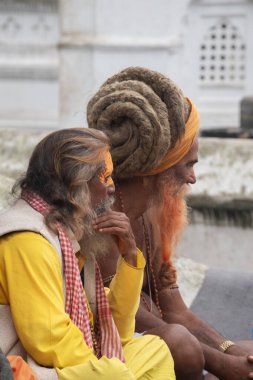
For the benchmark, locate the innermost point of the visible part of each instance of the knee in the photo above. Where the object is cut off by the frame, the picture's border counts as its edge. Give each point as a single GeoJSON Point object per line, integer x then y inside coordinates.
{"type": "Point", "coordinates": [185, 348]}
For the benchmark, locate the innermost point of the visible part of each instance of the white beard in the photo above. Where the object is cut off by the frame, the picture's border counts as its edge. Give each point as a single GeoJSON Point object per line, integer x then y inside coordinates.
{"type": "Point", "coordinates": [94, 242]}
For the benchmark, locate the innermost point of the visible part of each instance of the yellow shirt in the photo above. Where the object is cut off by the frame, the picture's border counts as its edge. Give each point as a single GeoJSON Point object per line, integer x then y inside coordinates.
{"type": "Point", "coordinates": [31, 283]}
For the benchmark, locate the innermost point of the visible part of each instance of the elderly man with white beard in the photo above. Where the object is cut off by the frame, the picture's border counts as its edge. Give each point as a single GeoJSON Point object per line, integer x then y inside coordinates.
{"type": "Point", "coordinates": [63, 320]}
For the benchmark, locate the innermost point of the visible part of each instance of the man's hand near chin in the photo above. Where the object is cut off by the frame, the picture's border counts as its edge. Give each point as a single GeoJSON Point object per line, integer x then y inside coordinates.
{"type": "Point", "coordinates": [117, 224]}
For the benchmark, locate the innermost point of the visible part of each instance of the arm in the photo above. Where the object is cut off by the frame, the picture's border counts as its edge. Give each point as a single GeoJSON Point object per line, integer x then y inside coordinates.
{"type": "Point", "coordinates": [124, 295]}
{"type": "Point", "coordinates": [33, 285]}
{"type": "Point", "coordinates": [221, 364]}
{"type": "Point", "coordinates": [175, 311]}
{"type": "Point", "coordinates": [147, 320]}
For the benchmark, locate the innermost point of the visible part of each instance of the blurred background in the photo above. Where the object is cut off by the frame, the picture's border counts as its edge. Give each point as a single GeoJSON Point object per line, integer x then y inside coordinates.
{"type": "Point", "coordinates": [55, 54]}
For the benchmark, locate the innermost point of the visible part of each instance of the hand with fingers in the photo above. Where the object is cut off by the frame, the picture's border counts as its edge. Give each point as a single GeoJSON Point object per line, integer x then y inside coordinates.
{"type": "Point", "coordinates": [230, 368]}
{"type": "Point", "coordinates": [243, 349]}
{"type": "Point", "coordinates": [240, 368]}
{"type": "Point", "coordinates": [118, 225]}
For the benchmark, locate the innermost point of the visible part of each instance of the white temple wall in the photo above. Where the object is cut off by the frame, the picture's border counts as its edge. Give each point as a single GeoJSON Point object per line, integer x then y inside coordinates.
{"type": "Point", "coordinates": [29, 64]}
{"type": "Point", "coordinates": [204, 45]}
{"type": "Point", "coordinates": [219, 55]}
{"type": "Point", "coordinates": [109, 38]}
{"type": "Point", "coordinates": [59, 52]}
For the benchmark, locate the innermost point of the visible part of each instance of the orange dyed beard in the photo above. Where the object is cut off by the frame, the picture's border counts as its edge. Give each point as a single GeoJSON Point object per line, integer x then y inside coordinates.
{"type": "Point", "coordinates": [168, 216]}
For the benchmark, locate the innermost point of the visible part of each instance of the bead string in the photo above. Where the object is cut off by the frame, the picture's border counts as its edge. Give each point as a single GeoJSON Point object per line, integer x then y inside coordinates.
{"type": "Point", "coordinates": [149, 267]}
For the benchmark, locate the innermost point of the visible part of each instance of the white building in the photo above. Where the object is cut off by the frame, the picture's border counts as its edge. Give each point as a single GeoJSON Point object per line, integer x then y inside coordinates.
{"type": "Point", "coordinates": [54, 54]}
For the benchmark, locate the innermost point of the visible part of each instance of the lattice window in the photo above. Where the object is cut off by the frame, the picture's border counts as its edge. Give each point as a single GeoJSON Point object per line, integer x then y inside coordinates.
{"type": "Point", "coordinates": [222, 56]}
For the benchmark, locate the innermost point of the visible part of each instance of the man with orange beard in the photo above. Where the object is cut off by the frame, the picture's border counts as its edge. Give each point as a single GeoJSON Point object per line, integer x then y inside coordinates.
{"type": "Point", "coordinates": [153, 131]}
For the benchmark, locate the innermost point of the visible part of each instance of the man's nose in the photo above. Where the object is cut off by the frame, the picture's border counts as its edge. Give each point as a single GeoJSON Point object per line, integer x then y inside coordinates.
{"type": "Point", "coordinates": [111, 188]}
{"type": "Point", "coordinates": [192, 178]}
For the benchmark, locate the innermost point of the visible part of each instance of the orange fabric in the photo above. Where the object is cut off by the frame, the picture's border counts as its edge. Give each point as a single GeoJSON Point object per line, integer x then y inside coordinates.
{"type": "Point", "coordinates": [20, 369]}
{"type": "Point", "coordinates": [183, 146]}
{"type": "Point", "coordinates": [105, 176]}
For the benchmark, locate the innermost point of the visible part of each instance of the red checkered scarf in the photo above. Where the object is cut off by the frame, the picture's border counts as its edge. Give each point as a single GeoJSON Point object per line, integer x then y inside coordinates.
{"type": "Point", "coordinates": [108, 340]}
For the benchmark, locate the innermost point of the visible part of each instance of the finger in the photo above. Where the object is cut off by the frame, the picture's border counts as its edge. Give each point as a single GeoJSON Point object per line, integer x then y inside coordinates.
{"type": "Point", "coordinates": [111, 220]}
{"type": "Point", "coordinates": [250, 359]}
{"type": "Point", "coordinates": [122, 230]}
{"type": "Point", "coordinates": [112, 223]}
{"type": "Point", "coordinates": [111, 214]}
{"type": "Point", "coordinates": [122, 233]}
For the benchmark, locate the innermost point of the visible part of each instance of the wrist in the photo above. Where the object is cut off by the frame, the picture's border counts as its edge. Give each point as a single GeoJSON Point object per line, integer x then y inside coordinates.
{"type": "Point", "coordinates": [236, 350]}
{"type": "Point", "coordinates": [130, 258]}
{"type": "Point", "coordinates": [217, 363]}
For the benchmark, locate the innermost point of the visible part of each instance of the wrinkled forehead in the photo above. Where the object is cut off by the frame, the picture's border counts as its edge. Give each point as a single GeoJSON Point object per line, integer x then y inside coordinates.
{"type": "Point", "coordinates": [192, 154]}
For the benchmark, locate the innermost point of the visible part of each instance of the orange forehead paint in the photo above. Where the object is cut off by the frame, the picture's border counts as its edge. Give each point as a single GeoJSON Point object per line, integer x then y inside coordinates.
{"type": "Point", "coordinates": [105, 176]}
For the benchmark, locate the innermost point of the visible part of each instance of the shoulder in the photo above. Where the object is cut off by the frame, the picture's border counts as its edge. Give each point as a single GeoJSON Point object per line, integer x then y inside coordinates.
{"type": "Point", "coordinates": [25, 238]}
{"type": "Point", "coordinates": [20, 217]}
{"type": "Point", "coordinates": [27, 244]}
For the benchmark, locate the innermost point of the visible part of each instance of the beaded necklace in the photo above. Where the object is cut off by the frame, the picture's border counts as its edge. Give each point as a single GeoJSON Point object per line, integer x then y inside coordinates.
{"type": "Point", "coordinates": [149, 267]}
{"type": "Point", "coordinates": [150, 271]}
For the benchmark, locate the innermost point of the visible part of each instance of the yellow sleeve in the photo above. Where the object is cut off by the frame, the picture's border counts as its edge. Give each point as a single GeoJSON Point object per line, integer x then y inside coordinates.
{"type": "Point", "coordinates": [124, 295]}
{"type": "Point", "coordinates": [31, 282]}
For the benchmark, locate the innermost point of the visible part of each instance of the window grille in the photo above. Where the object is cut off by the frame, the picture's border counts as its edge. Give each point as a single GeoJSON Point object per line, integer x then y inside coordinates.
{"type": "Point", "coordinates": [222, 56]}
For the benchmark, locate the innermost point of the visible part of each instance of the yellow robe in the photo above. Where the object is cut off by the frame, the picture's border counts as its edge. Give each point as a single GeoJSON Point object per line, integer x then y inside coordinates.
{"type": "Point", "coordinates": [31, 282]}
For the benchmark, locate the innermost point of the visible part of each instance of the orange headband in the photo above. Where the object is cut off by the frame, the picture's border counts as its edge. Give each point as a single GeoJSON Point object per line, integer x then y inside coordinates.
{"type": "Point", "coordinates": [182, 146]}
{"type": "Point", "coordinates": [105, 176]}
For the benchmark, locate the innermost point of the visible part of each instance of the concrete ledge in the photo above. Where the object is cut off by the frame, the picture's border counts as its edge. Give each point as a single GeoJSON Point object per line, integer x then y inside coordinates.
{"type": "Point", "coordinates": [224, 172]}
